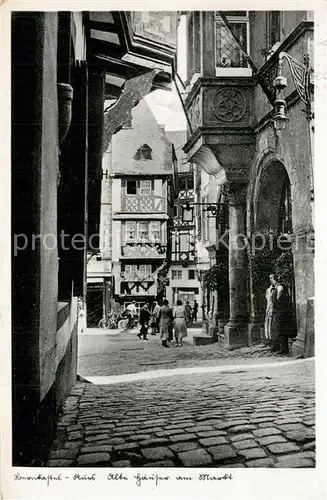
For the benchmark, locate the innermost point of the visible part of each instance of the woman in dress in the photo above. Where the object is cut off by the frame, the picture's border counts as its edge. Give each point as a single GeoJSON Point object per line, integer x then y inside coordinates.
{"type": "Point", "coordinates": [165, 322]}
{"type": "Point", "coordinates": [281, 321]}
{"type": "Point", "coordinates": [270, 295]}
{"type": "Point", "coordinates": [180, 323]}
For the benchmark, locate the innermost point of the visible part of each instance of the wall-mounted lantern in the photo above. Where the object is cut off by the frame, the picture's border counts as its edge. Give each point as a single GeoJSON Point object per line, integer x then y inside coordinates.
{"type": "Point", "coordinates": [300, 73]}
{"type": "Point", "coordinates": [213, 208]}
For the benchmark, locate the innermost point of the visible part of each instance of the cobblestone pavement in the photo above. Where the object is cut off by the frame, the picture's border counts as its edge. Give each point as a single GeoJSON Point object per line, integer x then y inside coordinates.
{"type": "Point", "coordinates": [116, 353]}
{"type": "Point", "coordinates": [257, 417]}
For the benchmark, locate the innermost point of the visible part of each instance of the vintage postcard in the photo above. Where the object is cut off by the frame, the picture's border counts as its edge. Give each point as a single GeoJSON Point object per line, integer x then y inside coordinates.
{"type": "Point", "coordinates": [161, 257]}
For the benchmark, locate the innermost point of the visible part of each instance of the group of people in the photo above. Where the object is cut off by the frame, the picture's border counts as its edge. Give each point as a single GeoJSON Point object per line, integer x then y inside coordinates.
{"type": "Point", "coordinates": [279, 321]}
{"type": "Point", "coordinates": [169, 322]}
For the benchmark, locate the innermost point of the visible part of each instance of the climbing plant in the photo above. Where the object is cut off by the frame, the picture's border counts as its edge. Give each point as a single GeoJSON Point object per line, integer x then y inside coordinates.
{"type": "Point", "coordinates": [216, 278]}
{"type": "Point", "coordinates": [284, 269]}
{"type": "Point", "coordinates": [271, 259]}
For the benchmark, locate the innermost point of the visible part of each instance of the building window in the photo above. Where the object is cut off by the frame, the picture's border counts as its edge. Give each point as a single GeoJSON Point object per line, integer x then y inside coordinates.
{"type": "Point", "coordinates": [193, 48]}
{"type": "Point", "coordinates": [191, 274]}
{"type": "Point", "coordinates": [131, 187]}
{"type": "Point", "coordinates": [130, 271]}
{"type": "Point", "coordinates": [228, 53]}
{"type": "Point", "coordinates": [145, 188]}
{"type": "Point", "coordinates": [155, 231]}
{"type": "Point", "coordinates": [130, 230]}
{"type": "Point", "coordinates": [143, 153]}
{"type": "Point", "coordinates": [145, 271]}
{"type": "Point", "coordinates": [274, 28]}
{"type": "Point", "coordinates": [143, 231]}
{"type": "Point", "coordinates": [176, 274]}
{"type": "Point", "coordinates": [184, 242]}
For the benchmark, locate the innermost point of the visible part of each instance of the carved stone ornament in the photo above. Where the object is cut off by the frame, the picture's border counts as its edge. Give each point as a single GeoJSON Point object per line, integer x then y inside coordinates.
{"type": "Point", "coordinates": [229, 105]}
{"type": "Point", "coordinates": [195, 113]}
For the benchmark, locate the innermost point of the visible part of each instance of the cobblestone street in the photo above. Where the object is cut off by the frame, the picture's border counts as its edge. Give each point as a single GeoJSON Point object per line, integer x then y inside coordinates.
{"type": "Point", "coordinates": [116, 353]}
{"type": "Point", "coordinates": [261, 415]}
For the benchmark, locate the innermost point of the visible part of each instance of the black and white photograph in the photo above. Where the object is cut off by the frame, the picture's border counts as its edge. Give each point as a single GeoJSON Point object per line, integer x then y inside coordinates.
{"type": "Point", "coordinates": [162, 242]}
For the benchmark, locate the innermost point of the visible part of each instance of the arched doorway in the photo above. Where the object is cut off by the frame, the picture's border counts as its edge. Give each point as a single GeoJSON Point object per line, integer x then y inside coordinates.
{"type": "Point", "coordinates": [273, 226]}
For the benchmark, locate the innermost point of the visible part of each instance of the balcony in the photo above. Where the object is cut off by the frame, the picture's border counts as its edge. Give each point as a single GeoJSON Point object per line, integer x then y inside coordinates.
{"type": "Point", "coordinates": [137, 277]}
{"type": "Point", "coordinates": [144, 204]}
{"type": "Point", "coordinates": [143, 251]}
{"type": "Point", "coordinates": [221, 138]}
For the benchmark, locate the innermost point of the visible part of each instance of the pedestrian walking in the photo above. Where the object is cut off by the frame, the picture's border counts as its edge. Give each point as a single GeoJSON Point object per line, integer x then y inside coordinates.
{"type": "Point", "coordinates": [282, 321]}
{"type": "Point", "coordinates": [165, 321]}
{"type": "Point", "coordinates": [195, 311]}
{"type": "Point", "coordinates": [131, 308]}
{"type": "Point", "coordinates": [155, 316]}
{"type": "Point", "coordinates": [144, 321]}
{"type": "Point", "coordinates": [188, 313]}
{"type": "Point", "coordinates": [180, 323]}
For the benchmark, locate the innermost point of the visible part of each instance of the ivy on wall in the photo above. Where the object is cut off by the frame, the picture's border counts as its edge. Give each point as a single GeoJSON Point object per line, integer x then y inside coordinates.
{"type": "Point", "coordinates": [271, 259]}
{"type": "Point", "coordinates": [216, 278]}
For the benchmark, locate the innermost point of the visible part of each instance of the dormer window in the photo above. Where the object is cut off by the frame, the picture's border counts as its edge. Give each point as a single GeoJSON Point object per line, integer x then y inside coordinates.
{"type": "Point", "coordinates": [143, 153]}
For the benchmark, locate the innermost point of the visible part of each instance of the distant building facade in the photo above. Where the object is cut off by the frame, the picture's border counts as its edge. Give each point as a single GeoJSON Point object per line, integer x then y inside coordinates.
{"type": "Point", "coordinates": [183, 277]}
{"type": "Point", "coordinates": [136, 210]}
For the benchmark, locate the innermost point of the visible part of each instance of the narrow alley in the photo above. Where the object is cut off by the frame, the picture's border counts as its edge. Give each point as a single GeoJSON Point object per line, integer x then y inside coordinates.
{"type": "Point", "coordinates": [167, 182]}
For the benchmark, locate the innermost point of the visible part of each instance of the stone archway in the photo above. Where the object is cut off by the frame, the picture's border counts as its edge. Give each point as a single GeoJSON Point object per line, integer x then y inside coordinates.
{"type": "Point", "coordinates": [272, 204]}
{"type": "Point", "coordinates": [271, 186]}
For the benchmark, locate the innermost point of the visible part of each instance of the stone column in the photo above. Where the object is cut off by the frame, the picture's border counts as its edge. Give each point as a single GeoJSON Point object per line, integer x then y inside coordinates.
{"type": "Point", "coordinates": [236, 330]}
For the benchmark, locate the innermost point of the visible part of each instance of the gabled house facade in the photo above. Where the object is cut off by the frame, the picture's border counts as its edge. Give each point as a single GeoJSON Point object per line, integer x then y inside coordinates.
{"type": "Point", "coordinates": [136, 211]}
{"type": "Point", "coordinates": [183, 277]}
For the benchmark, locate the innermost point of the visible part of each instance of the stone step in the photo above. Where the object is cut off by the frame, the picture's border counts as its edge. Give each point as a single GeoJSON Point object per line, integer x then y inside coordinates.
{"type": "Point", "coordinates": [202, 339]}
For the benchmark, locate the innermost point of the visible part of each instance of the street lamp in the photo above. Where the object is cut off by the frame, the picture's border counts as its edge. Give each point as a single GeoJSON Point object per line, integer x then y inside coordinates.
{"type": "Point", "coordinates": [215, 209]}
{"type": "Point", "coordinates": [300, 73]}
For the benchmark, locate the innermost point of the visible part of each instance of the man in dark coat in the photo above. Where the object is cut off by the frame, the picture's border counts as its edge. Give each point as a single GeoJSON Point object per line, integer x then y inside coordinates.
{"type": "Point", "coordinates": [144, 321]}
{"type": "Point", "coordinates": [188, 310]}
{"type": "Point", "coordinates": [195, 311]}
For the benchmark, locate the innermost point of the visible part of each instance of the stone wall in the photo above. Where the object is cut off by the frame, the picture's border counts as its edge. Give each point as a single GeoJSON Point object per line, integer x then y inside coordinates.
{"type": "Point", "coordinates": [44, 339]}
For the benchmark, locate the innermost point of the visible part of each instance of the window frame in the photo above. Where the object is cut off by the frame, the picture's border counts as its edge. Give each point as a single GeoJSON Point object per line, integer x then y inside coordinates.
{"type": "Point", "coordinates": [271, 47]}
{"type": "Point", "coordinates": [147, 271]}
{"type": "Point", "coordinates": [145, 224]}
{"type": "Point", "coordinates": [176, 274]}
{"type": "Point", "coordinates": [130, 223]}
{"type": "Point", "coordinates": [155, 227]}
{"type": "Point", "coordinates": [191, 271]}
{"type": "Point", "coordinates": [136, 187]}
{"type": "Point", "coordinates": [149, 181]}
{"type": "Point", "coordinates": [234, 70]}
{"type": "Point", "coordinates": [143, 153]}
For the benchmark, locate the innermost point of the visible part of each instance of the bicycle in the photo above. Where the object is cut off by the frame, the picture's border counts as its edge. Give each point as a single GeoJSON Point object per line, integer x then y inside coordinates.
{"type": "Point", "coordinates": [127, 323]}
{"type": "Point", "coordinates": [109, 322]}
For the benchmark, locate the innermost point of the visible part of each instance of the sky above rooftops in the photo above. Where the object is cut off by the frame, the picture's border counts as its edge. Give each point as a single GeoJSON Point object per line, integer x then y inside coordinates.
{"type": "Point", "coordinates": [164, 104]}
